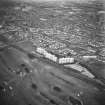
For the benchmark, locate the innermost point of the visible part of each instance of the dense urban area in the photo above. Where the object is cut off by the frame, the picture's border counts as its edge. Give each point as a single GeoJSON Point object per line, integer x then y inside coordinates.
{"type": "Point", "coordinates": [52, 53]}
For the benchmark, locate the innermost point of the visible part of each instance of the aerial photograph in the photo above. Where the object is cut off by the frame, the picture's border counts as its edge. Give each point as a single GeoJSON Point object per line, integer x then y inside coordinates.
{"type": "Point", "coordinates": [52, 52]}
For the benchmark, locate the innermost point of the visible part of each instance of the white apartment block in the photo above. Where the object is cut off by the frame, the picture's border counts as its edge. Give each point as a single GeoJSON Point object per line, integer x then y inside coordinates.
{"type": "Point", "coordinates": [46, 54]}
{"type": "Point", "coordinates": [66, 60]}
{"type": "Point", "coordinates": [41, 50]}
{"type": "Point", "coordinates": [51, 57]}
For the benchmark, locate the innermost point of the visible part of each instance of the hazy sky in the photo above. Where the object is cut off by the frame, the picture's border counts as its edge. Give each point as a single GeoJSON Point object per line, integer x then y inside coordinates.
{"type": "Point", "coordinates": [57, 0]}
{"type": "Point", "coordinates": [60, 1]}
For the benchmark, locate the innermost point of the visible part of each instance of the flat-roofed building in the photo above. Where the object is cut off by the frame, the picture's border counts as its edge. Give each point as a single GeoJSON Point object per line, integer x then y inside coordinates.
{"type": "Point", "coordinates": [66, 60]}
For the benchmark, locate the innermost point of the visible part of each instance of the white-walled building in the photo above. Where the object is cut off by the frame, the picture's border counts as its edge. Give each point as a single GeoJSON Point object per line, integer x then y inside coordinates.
{"type": "Point", "coordinates": [51, 57]}
{"type": "Point", "coordinates": [46, 54]}
{"type": "Point", "coordinates": [89, 57]}
{"type": "Point", "coordinates": [41, 50]}
{"type": "Point", "coordinates": [66, 60]}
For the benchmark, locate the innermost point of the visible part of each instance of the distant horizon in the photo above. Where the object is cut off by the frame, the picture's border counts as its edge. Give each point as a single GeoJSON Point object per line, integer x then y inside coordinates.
{"type": "Point", "coordinates": [58, 2]}
{"type": "Point", "coordinates": [53, 0]}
